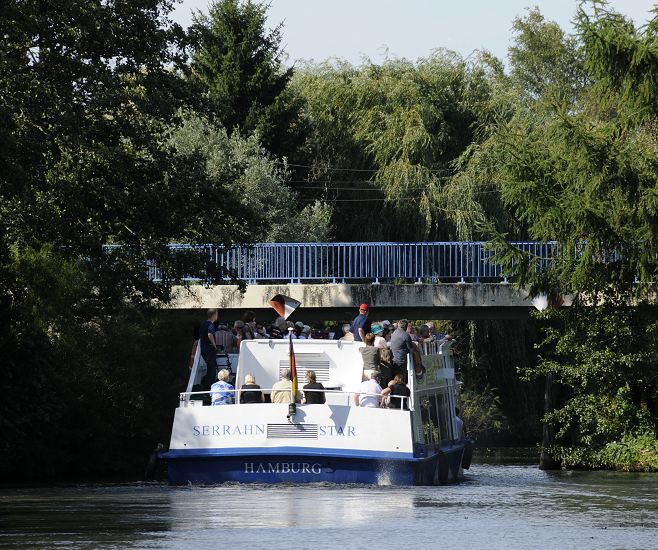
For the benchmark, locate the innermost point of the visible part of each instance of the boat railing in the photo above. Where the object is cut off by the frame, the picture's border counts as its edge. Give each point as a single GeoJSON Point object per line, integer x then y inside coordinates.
{"type": "Point", "coordinates": [187, 400]}
{"type": "Point", "coordinates": [439, 347]}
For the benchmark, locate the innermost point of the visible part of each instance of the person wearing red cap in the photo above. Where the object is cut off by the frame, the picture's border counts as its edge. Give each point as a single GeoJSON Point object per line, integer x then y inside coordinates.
{"type": "Point", "coordinates": [361, 325]}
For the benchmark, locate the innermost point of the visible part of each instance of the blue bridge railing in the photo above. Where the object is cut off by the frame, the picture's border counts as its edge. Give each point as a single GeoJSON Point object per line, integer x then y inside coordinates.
{"type": "Point", "coordinates": [375, 262]}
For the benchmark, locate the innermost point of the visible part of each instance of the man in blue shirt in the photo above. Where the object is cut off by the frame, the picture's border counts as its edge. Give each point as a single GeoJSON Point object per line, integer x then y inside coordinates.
{"type": "Point", "coordinates": [361, 325]}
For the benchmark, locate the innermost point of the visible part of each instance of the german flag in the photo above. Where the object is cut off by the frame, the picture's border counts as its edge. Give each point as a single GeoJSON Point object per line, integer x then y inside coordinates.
{"type": "Point", "coordinates": [284, 305]}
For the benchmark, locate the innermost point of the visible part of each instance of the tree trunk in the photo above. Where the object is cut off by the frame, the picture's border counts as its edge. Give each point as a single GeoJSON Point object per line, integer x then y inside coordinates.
{"type": "Point", "coordinates": [546, 461]}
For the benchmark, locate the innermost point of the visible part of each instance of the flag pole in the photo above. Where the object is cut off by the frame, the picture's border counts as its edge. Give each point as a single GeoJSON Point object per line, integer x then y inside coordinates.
{"type": "Point", "coordinates": [292, 407]}
{"type": "Point", "coordinates": [284, 306]}
{"type": "Point", "coordinates": [293, 369]}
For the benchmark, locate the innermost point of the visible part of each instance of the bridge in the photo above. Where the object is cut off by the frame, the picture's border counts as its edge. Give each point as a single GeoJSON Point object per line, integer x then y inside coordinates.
{"type": "Point", "coordinates": [438, 280]}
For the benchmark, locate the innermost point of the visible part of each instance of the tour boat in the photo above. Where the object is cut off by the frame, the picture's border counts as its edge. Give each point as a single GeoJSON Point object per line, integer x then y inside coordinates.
{"type": "Point", "coordinates": [336, 442]}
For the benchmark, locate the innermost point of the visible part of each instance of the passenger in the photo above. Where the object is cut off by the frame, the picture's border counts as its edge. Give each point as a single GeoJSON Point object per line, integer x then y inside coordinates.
{"type": "Point", "coordinates": [438, 336]}
{"type": "Point", "coordinates": [388, 330]}
{"type": "Point", "coordinates": [195, 345]}
{"type": "Point", "coordinates": [250, 392]}
{"type": "Point", "coordinates": [385, 366]}
{"type": "Point", "coordinates": [249, 320]}
{"type": "Point", "coordinates": [282, 390]}
{"type": "Point", "coordinates": [430, 326]}
{"type": "Point", "coordinates": [397, 390]}
{"type": "Point", "coordinates": [208, 348]}
{"type": "Point", "coordinates": [261, 332]}
{"type": "Point", "coordinates": [459, 423]}
{"type": "Point", "coordinates": [238, 330]}
{"type": "Point", "coordinates": [222, 391]}
{"type": "Point", "coordinates": [369, 393]}
{"type": "Point", "coordinates": [424, 335]}
{"type": "Point", "coordinates": [361, 325]}
{"type": "Point", "coordinates": [370, 356]}
{"type": "Point", "coordinates": [313, 397]}
{"type": "Point", "coordinates": [442, 338]}
{"type": "Point", "coordinates": [319, 334]}
{"type": "Point", "coordinates": [401, 346]}
{"type": "Point", "coordinates": [287, 333]}
{"type": "Point", "coordinates": [339, 332]}
{"type": "Point", "coordinates": [225, 339]}
{"type": "Point", "coordinates": [306, 332]}
{"type": "Point", "coordinates": [348, 336]}
{"type": "Point", "coordinates": [378, 331]}
{"type": "Point", "coordinates": [278, 328]}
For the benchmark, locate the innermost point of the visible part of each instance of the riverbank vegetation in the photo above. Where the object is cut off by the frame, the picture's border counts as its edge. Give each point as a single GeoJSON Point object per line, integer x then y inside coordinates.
{"type": "Point", "coordinates": [118, 127]}
{"type": "Point", "coordinates": [577, 162]}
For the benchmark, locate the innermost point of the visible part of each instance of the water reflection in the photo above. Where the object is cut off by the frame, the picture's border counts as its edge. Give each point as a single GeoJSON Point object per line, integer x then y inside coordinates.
{"type": "Point", "coordinates": [271, 507]}
{"type": "Point", "coordinates": [496, 507]}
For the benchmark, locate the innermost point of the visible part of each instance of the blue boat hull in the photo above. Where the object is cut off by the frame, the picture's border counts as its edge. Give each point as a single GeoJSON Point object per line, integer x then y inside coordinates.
{"type": "Point", "coordinates": [433, 469]}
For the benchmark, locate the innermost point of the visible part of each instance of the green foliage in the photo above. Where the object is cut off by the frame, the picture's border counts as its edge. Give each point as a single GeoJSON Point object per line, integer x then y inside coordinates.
{"type": "Point", "coordinates": [398, 127]}
{"type": "Point", "coordinates": [86, 107]}
{"type": "Point", "coordinates": [632, 453]}
{"type": "Point", "coordinates": [545, 63]}
{"type": "Point", "coordinates": [576, 160]}
{"type": "Point", "coordinates": [481, 413]}
{"type": "Point", "coordinates": [574, 157]}
{"type": "Point", "coordinates": [88, 92]}
{"type": "Point", "coordinates": [99, 146]}
{"type": "Point", "coordinates": [258, 183]}
{"type": "Point", "coordinates": [237, 64]}
{"type": "Point", "coordinates": [622, 61]}
{"type": "Point", "coordinates": [604, 360]}
{"type": "Point", "coordinates": [491, 355]}
{"type": "Point", "coordinates": [84, 394]}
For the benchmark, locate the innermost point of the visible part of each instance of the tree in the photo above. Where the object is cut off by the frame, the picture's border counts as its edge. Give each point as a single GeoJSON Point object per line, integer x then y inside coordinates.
{"type": "Point", "coordinates": [238, 64]}
{"type": "Point", "coordinates": [546, 70]}
{"type": "Point", "coordinates": [575, 161]}
{"type": "Point", "coordinates": [258, 182]}
{"type": "Point", "coordinates": [86, 105]}
{"type": "Point", "coordinates": [384, 139]}
{"type": "Point", "coordinates": [90, 193]}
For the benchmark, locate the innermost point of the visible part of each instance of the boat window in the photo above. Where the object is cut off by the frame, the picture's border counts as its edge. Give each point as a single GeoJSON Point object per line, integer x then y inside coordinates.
{"type": "Point", "coordinates": [444, 418]}
{"type": "Point", "coordinates": [434, 416]}
{"type": "Point", "coordinates": [430, 427]}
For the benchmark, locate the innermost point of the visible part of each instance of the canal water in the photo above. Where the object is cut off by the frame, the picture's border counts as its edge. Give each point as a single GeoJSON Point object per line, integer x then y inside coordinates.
{"type": "Point", "coordinates": [497, 506]}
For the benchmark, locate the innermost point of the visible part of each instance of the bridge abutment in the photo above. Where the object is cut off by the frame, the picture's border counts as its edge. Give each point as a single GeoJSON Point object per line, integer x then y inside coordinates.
{"type": "Point", "coordinates": [336, 301]}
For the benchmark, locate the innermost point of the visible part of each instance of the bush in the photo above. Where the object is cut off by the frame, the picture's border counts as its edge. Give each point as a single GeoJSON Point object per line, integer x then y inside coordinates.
{"type": "Point", "coordinates": [481, 413]}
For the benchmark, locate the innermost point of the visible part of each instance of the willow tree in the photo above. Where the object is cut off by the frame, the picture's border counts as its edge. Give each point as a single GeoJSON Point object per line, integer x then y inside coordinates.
{"type": "Point", "coordinates": [384, 138]}
{"type": "Point", "coordinates": [575, 161]}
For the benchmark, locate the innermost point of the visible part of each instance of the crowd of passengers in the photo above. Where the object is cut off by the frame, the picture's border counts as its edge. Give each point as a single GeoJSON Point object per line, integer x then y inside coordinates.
{"type": "Point", "coordinates": [385, 356]}
{"type": "Point", "coordinates": [228, 336]}
{"type": "Point", "coordinates": [371, 394]}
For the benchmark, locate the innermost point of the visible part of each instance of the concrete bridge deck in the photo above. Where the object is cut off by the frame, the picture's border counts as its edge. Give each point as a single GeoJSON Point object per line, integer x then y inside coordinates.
{"type": "Point", "coordinates": [336, 301]}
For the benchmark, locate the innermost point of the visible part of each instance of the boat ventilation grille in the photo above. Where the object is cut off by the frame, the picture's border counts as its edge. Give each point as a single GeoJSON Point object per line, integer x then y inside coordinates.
{"type": "Point", "coordinates": [320, 366]}
{"type": "Point", "coordinates": [295, 431]}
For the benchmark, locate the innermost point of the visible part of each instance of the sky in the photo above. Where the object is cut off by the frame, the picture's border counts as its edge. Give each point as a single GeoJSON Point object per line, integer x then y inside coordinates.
{"type": "Point", "coordinates": [357, 29]}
